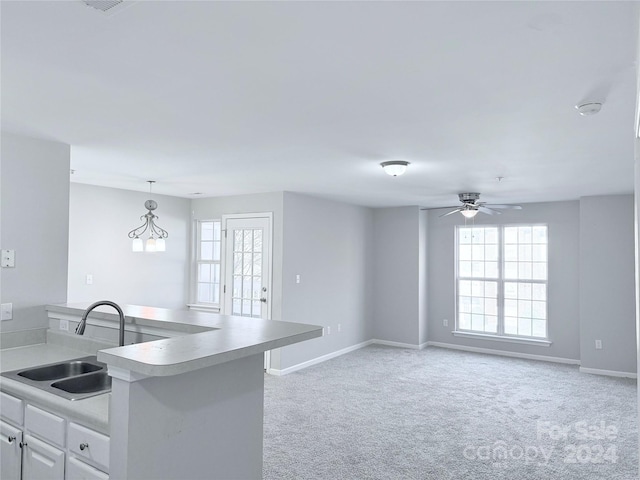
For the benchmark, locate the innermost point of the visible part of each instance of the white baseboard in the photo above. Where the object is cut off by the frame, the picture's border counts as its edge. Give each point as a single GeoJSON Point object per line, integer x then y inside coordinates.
{"type": "Point", "coordinates": [609, 373]}
{"type": "Point", "coordinates": [329, 356]}
{"type": "Point", "coordinates": [451, 346]}
{"type": "Point", "coordinates": [400, 344]}
{"type": "Point", "coordinates": [315, 361]}
{"type": "Point", "coordinates": [503, 353]}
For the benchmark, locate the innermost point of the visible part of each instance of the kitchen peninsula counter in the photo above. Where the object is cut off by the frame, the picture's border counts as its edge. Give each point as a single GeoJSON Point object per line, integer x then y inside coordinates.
{"type": "Point", "coordinates": [203, 339]}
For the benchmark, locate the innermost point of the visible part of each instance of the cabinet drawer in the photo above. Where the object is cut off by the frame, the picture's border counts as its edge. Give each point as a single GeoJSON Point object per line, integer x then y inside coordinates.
{"type": "Point", "coordinates": [77, 470]}
{"type": "Point", "coordinates": [46, 425]}
{"type": "Point", "coordinates": [95, 445]}
{"type": "Point", "coordinates": [11, 408]}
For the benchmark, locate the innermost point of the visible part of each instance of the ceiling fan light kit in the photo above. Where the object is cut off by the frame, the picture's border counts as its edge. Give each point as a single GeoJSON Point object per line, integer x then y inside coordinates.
{"type": "Point", "coordinates": [469, 212]}
{"type": "Point", "coordinates": [470, 206]}
{"type": "Point", "coordinates": [395, 167]}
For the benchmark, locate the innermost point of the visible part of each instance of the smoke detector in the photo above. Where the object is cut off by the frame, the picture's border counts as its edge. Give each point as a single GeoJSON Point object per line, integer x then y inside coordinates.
{"type": "Point", "coordinates": [590, 108]}
{"type": "Point", "coordinates": [108, 7]}
{"type": "Point", "coordinates": [102, 5]}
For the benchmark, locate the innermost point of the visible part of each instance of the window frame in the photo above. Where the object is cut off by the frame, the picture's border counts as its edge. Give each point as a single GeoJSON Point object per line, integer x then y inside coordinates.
{"type": "Point", "coordinates": [500, 280]}
{"type": "Point", "coordinates": [195, 267]}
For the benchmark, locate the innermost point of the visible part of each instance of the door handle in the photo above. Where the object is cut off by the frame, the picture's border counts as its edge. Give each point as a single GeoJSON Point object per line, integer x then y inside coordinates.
{"type": "Point", "coordinates": [263, 300]}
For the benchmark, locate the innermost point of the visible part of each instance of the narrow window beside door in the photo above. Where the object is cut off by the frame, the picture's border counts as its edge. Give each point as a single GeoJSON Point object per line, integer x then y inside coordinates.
{"type": "Point", "coordinates": [207, 291]}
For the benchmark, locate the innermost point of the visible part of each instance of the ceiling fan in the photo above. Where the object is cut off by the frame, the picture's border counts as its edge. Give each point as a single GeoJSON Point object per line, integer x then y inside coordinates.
{"type": "Point", "coordinates": [470, 206]}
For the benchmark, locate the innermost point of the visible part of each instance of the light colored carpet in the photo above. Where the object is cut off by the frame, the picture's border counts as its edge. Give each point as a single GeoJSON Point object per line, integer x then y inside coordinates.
{"type": "Point", "coordinates": [390, 413]}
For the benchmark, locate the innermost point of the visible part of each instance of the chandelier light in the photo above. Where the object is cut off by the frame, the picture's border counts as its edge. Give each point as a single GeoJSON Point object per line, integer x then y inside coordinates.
{"type": "Point", "coordinates": [156, 240]}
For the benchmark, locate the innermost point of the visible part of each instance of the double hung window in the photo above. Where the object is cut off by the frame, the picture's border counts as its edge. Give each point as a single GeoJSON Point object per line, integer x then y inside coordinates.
{"type": "Point", "coordinates": [208, 248]}
{"type": "Point", "coordinates": [502, 280]}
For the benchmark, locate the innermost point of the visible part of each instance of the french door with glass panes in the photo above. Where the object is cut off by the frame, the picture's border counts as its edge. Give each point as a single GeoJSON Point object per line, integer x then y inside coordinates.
{"type": "Point", "coordinates": [247, 278]}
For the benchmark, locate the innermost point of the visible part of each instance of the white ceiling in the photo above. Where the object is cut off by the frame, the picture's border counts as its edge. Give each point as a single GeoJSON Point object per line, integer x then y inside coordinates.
{"type": "Point", "coordinates": [228, 98]}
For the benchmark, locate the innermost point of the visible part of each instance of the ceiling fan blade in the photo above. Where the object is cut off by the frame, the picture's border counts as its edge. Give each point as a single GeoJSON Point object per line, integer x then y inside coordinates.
{"type": "Point", "coordinates": [504, 207]}
{"type": "Point", "coordinates": [451, 212]}
{"type": "Point", "coordinates": [439, 208]}
{"type": "Point", "coordinates": [488, 211]}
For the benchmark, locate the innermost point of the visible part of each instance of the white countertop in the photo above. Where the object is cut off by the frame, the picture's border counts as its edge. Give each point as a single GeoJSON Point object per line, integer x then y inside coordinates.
{"type": "Point", "coordinates": [209, 339]}
{"type": "Point", "coordinates": [92, 412]}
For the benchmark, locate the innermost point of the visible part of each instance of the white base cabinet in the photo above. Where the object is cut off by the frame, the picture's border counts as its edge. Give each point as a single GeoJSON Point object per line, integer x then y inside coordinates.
{"type": "Point", "coordinates": [41, 445]}
{"type": "Point", "coordinates": [11, 452]}
{"type": "Point", "coordinates": [41, 461]}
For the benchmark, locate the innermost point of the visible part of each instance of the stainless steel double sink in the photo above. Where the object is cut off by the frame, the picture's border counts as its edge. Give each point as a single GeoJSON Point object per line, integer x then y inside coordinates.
{"type": "Point", "coordinates": [73, 379]}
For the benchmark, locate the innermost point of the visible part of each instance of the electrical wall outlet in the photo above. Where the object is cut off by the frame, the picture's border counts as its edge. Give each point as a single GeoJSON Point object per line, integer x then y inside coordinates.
{"type": "Point", "coordinates": [89, 279]}
{"type": "Point", "coordinates": [445, 322]}
{"type": "Point", "coordinates": [64, 325]}
{"type": "Point", "coordinates": [297, 278]}
{"type": "Point", "coordinates": [339, 327]}
{"type": "Point", "coordinates": [328, 329]}
{"type": "Point", "coordinates": [598, 344]}
{"type": "Point", "coordinates": [6, 311]}
{"type": "Point", "coordinates": [8, 258]}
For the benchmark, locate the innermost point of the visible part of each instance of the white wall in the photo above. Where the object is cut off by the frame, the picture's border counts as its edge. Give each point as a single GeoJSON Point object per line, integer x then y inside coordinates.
{"type": "Point", "coordinates": [399, 288]}
{"type": "Point", "coordinates": [637, 212]}
{"type": "Point", "coordinates": [607, 283]}
{"type": "Point", "coordinates": [329, 244]}
{"type": "Point", "coordinates": [35, 223]}
{"type": "Point", "coordinates": [213, 209]}
{"type": "Point", "coordinates": [637, 241]}
{"type": "Point", "coordinates": [423, 277]}
{"type": "Point", "coordinates": [99, 220]}
{"type": "Point", "coordinates": [562, 219]}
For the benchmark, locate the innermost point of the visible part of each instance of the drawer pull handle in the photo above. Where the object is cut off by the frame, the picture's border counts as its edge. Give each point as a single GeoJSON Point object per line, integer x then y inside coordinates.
{"type": "Point", "coordinates": [23, 444]}
{"type": "Point", "coordinates": [83, 446]}
{"type": "Point", "coordinates": [11, 438]}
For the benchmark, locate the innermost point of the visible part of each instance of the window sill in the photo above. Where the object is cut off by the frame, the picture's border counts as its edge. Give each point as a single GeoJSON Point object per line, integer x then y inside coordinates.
{"type": "Point", "coordinates": [203, 308]}
{"type": "Point", "coordinates": [499, 338]}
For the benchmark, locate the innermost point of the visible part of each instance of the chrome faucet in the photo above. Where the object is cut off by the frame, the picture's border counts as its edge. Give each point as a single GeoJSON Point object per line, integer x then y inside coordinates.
{"type": "Point", "coordinates": [83, 322]}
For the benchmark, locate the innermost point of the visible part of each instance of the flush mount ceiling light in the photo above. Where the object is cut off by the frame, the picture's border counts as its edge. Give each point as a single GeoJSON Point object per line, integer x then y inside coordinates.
{"type": "Point", "coordinates": [395, 167]}
{"type": "Point", "coordinates": [155, 242]}
{"type": "Point", "coordinates": [589, 108]}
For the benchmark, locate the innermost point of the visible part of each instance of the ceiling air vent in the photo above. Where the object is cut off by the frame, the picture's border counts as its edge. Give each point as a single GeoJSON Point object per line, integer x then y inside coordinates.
{"type": "Point", "coordinates": [102, 5]}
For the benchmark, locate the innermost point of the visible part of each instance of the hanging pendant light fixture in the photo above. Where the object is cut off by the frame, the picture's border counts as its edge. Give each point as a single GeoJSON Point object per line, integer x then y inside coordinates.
{"type": "Point", "coordinates": [155, 242]}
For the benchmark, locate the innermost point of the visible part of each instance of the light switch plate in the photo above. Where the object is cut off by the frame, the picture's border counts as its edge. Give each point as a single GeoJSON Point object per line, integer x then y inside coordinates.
{"type": "Point", "coordinates": [8, 258]}
{"type": "Point", "coordinates": [6, 311]}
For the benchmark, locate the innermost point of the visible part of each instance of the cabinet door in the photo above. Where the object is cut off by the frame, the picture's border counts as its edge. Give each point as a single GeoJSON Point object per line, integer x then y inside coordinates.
{"type": "Point", "coordinates": [41, 461]}
{"type": "Point", "coordinates": [11, 453]}
{"type": "Point", "coordinates": [77, 470]}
